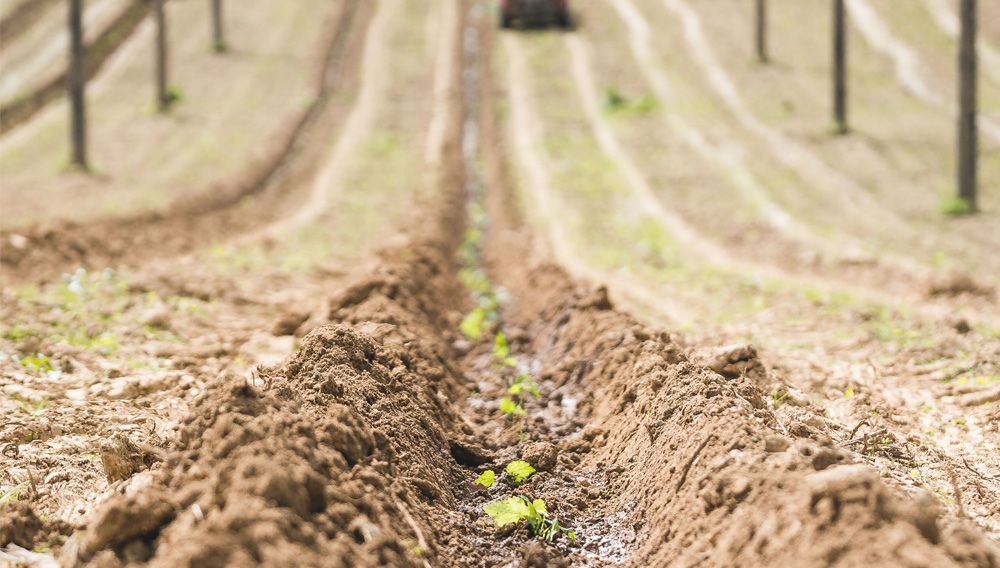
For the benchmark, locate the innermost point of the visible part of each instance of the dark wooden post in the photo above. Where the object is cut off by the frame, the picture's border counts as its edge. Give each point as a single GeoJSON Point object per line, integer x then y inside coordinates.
{"type": "Point", "coordinates": [839, 67]}
{"type": "Point", "coordinates": [76, 84]}
{"type": "Point", "coordinates": [967, 134]}
{"type": "Point", "coordinates": [762, 31]}
{"type": "Point", "coordinates": [218, 42]}
{"type": "Point", "coordinates": [162, 97]}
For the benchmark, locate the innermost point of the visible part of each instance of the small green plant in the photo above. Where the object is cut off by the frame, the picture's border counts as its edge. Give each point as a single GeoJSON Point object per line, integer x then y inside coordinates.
{"type": "Point", "coordinates": [475, 324]}
{"type": "Point", "coordinates": [510, 408]}
{"type": "Point", "coordinates": [519, 471]}
{"type": "Point", "coordinates": [522, 383]}
{"type": "Point", "coordinates": [956, 207]}
{"type": "Point", "coordinates": [517, 508]}
{"type": "Point", "coordinates": [173, 95]}
{"type": "Point", "coordinates": [14, 494]}
{"type": "Point", "coordinates": [614, 102]}
{"type": "Point", "coordinates": [487, 478]}
{"type": "Point", "coordinates": [849, 392]}
{"type": "Point", "coordinates": [38, 363]}
{"type": "Point", "coordinates": [501, 351]}
{"type": "Point", "coordinates": [776, 401]}
{"type": "Point", "coordinates": [516, 472]}
{"type": "Point", "coordinates": [32, 407]}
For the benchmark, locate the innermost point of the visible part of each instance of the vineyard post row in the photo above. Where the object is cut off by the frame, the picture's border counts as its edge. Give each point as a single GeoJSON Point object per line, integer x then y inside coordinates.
{"type": "Point", "coordinates": [76, 80]}
{"type": "Point", "coordinates": [967, 132]}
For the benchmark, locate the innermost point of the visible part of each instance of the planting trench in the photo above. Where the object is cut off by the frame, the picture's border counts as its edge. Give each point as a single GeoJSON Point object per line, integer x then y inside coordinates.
{"type": "Point", "coordinates": [361, 448]}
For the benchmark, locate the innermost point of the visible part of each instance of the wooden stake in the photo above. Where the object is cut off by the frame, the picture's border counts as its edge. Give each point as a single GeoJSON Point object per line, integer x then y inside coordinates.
{"type": "Point", "coordinates": [162, 97]}
{"type": "Point", "coordinates": [839, 67]}
{"type": "Point", "coordinates": [967, 134]}
{"type": "Point", "coordinates": [76, 84]}
{"type": "Point", "coordinates": [218, 42]}
{"type": "Point", "coordinates": [762, 31]}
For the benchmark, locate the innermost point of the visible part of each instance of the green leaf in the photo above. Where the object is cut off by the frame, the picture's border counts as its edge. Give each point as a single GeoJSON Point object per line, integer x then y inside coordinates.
{"type": "Point", "coordinates": [501, 350]}
{"type": "Point", "coordinates": [487, 479]}
{"type": "Point", "coordinates": [509, 407]}
{"type": "Point", "coordinates": [508, 511]}
{"type": "Point", "coordinates": [520, 470]}
{"type": "Point", "coordinates": [522, 383]}
{"type": "Point", "coordinates": [473, 324]}
{"type": "Point", "coordinates": [538, 505]}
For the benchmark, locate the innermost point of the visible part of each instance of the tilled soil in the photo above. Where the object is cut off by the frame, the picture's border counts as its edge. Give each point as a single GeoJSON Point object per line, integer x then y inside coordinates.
{"type": "Point", "coordinates": [341, 417]}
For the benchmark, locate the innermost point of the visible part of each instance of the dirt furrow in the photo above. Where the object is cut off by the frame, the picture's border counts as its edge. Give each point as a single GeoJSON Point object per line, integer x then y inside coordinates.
{"type": "Point", "coordinates": [358, 122]}
{"type": "Point", "coordinates": [686, 463]}
{"type": "Point", "coordinates": [609, 144]}
{"type": "Point", "coordinates": [22, 16]}
{"type": "Point", "coordinates": [22, 107]}
{"type": "Point", "coordinates": [848, 193]}
{"type": "Point", "coordinates": [527, 134]}
{"type": "Point", "coordinates": [46, 251]}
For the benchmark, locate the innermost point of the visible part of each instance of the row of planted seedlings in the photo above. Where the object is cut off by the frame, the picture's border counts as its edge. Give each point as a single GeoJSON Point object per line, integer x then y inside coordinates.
{"type": "Point", "coordinates": [479, 325]}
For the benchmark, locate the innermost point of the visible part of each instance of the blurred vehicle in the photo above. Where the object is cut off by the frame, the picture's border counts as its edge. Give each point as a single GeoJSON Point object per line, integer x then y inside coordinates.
{"type": "Point", "coordinates": [534, 13]}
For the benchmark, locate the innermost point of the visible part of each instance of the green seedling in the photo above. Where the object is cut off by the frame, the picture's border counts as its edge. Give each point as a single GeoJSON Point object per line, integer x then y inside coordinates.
{"type": "Point", "coordinates": [487, 478]}
{"type": "Point", "coordinates": [501, 351]}
{"type": "Point", "coordinates": [14, 494]}
{"type": "Point", "coordinates": [38, 363]}
{"type": "Point", "coordinates": [519, 471]}
{"type": "Point", "coordinates": [849, 392]}
{"type": "Point", "coordinates": [510, 408]}
{"type": "Point", "coordinates": [516, 472]}
{"type": "Point", "coordinates": [776, 400]}
{"type": "Point", "coordinates": [475, 324]}
{"type": "Point", "coordinates": [521, 384]}
{"type": "Point", "coordinates": [32, 407]}
{"type": "Point", "coordinates": [956, 207]}
{"type": "Point", "coordinates": [517, 508]}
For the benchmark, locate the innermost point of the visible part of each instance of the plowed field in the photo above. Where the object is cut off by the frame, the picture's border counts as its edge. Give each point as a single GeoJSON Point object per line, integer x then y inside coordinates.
{"type": "Point", "coordinates": [385, 259]}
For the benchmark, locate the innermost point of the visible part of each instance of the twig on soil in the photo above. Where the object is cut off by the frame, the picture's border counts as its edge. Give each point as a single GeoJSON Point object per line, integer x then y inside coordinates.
{"type": "Point", "coordinates": [34, 488]}
{"type": "Point", "coordinates": [973, 470]}
{"type": "Point", "coordinates": [864, 439]}
{"type": "Point", "coordinates": [413, 525]}
{"type": "Point", "coordinates": [694, 457]}
{"type": "Point", "coordinates": [855, 430]}
{"type": "Point", "coordinates": [958, 493]}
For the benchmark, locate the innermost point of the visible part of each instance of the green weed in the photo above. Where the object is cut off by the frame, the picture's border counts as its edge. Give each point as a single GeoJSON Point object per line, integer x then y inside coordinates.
{"type": "Point", "coordinates": [776, 400]}
{"type": "Point", "coordinates": [32, 407]}
{"type": "Point", "coordinates": [501, 351]}
{"type": "Point", "coordinates": [510, 408]}
{"type": "Point", "coordinates": [517, 508]}
{"type": "Point", "coordinates": [13, 494]}
{"type": "Point", "coordinates": [953, 206]}
{"type": "Point", "coordinates": [38, 363]}
{"type": "Point", "coordinates": [522, 383]}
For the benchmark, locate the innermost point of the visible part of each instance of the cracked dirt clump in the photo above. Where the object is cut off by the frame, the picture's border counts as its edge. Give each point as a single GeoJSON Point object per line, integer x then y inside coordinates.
{"type": "Point", "coordinates": [122, 458]}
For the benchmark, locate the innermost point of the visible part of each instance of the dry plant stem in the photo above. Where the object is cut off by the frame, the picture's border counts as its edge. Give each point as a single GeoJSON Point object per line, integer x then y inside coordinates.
{"type": "Point", "coordinates": [694, 458]}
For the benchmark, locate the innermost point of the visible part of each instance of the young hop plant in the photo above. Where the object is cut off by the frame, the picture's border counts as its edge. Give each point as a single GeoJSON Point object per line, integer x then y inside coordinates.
{"type": "Point", "coordinates": [517, 471]}
{"type": "Point", "coordinates": [517, 508]}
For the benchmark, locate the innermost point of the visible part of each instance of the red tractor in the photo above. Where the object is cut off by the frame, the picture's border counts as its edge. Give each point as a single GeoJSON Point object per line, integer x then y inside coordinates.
{"type": "Point", "coordinates": [534, 13]}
